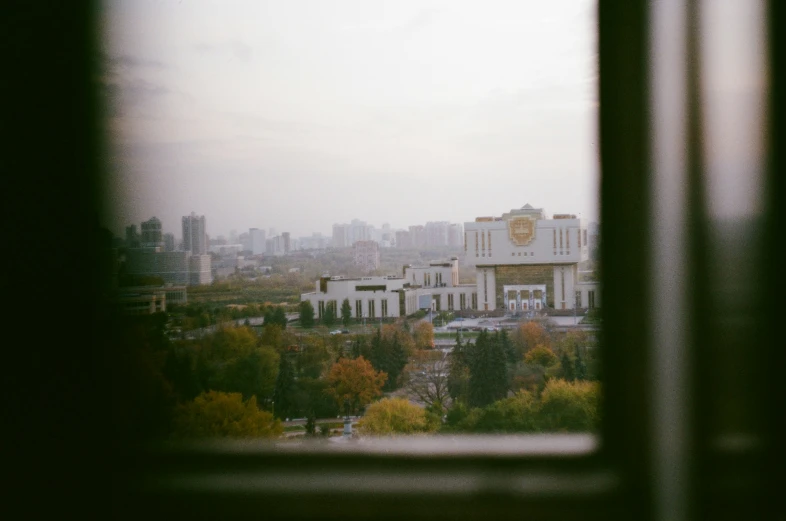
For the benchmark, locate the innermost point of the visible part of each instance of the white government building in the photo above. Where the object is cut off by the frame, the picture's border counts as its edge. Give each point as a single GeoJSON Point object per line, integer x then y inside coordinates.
{"type": "Point", "coordinates": [523, 261]}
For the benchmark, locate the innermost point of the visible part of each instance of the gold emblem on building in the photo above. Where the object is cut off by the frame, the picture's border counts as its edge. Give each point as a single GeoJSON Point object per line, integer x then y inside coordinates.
{"type": "Point", "coordinates": [521, 230]}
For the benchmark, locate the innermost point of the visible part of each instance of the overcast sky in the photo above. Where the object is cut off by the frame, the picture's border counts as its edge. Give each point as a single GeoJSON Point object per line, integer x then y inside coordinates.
{"type": "Point", "coordinates": [300, 114]}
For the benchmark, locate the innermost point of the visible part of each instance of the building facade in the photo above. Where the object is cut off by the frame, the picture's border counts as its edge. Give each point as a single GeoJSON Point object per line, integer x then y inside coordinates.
{"type": "Point", "coordinates": [194, 234]}
{"type": "Point", "coordinates": [366, 255]}
{"type": "Point", "coordinates": [525, 260]}
{"type": "Point", "coordinates": [175, 267]}
{"type": "Point", "coordinates": [152, 235]}
{"type": "Point", "coordinates": [258, 239]}
{"type": "Point", "coordinates": [433, 286]}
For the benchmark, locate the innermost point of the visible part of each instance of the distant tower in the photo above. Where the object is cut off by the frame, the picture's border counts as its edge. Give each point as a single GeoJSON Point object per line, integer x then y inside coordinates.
{"type": "Point", "coordinates": [169, 242]}
{"type": "Point", "coordinates": [151, 233]}
{"type": "Point", "coordinates": [257, 237]}
{"type": "Point", "coordinates": [286, 240]}
{"type": "Point", "coordinates": [132, 237]}
{"type": "Point", "coordinates": [194, 236]}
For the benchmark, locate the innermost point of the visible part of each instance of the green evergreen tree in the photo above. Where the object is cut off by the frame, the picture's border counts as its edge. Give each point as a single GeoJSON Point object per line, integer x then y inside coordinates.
{"type": "Point", "coordinates": [458, 375]}
{"type": "Point", "coordinates": [389, 356]}
{"type": "Point", "coordinates": [280, 317]}
{"type": "Point", "coordinates": [284, 390]}
{"type": "Point", "coordinates": [580, 366]}
{"type": "Point", "coordinates": [311, 425]}
{"type": "Point", "coordinates": [329, 316]}
{"type": "Point", "coordinates": [306, 314]}
{"type": "Point", "coordinates": [511, 354]}
{"type": "Point", "coordinates": [488, 372]}
{"type": "Point", "coordinates": [567, 368]}
{"type": "Point", "coordinates": [346, 312]}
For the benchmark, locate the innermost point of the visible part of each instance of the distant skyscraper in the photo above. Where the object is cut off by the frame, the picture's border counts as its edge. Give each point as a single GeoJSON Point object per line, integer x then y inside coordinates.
{"type": "Point", "coordinates": [257, 238]}
{"type": "Point", "coordinates": [286, 242]}
{"type": "Point", "coordinates": [437, 233]}
{"type": "Point", "coordinates": [132, 237]}
{"type": "Point", "coordinates": [403, 239]}
{"type": "Point", "coordinates": [366, 255]}
{"type": "Point", "coordinates": [169, 242]}
{"type": "Point", "coordinates": [417, 234]}
{"type": "Point", "coordinates": [151, 233]}
{"type": "Point", "coordinates": [341, 235]}
{"type": "Point", "coordinates": [194, 236]}
{"type": "Point", "coordinates": [456, 235]}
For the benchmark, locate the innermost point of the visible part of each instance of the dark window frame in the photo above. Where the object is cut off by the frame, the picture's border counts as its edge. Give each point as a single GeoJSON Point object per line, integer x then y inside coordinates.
{"type": "Point", "coordinates": [617, 481]}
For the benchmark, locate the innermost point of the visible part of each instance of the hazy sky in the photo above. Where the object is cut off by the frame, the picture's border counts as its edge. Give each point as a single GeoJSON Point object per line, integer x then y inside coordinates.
{"type": "Point", "coordinates": [300, 114]}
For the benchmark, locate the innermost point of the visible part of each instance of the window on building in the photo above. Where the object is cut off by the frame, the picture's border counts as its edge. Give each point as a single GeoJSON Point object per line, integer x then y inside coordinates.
{"type": "Point", "coordinates": [591, 299]}
{"type": "Point", "coordinates": [372, 310]}
{"type": "Point", "coordinates": [358, 309]}
{"type": "Point", "coordinates": [320, 308]}
{"type": "Point", "coordinates": [474, 300]}
{"type": "Point", "coordinates": [384, 306]}
{"type": "Point", "coordinates": [450, 302]}
{"type": "Point", "coordinates": [463, 301]}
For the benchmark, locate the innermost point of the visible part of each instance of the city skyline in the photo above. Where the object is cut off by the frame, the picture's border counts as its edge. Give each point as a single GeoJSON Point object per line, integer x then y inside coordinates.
{"type": "Point", "coordinates": [300, 115]}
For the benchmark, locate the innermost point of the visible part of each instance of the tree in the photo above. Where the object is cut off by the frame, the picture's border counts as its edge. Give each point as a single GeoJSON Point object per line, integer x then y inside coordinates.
{"type": "Point", "coordinates": [530, 335]}
{"type": "Point", "coordinates": [252, 374]}
{"type": "Point", "coordinates": [424, 335]}
{"type": "Point", "coordinates": [519, 413]}
{"type": "Point", "coordinates": [396, 416]}
{"type": "Point", "coordinates": [280, 317]}
{"type": "Point", "coordinates": [275, 315]}
{"type": "Point", "coordinates": [283, 393]}
{"type": "Point", "coordinates": [346, 312]}
{"type": "Point", "coordinates": [488, 372]}
{"type": "Point", "coordinates": [355, 381]}
{"type": "Point", "coordinates": [311, 425]}
{"type": "Point", "coordinates": [428, 380]}
{"type": "Point", "coordinates": [458, 374]}
{"type": "Point", "coordinates": [570, 406]}
{"type": "Point", "coordinates": [580, 366]}
{"type": "Point", "coordinates": [567, 367]}
{"type": "Point", "coordinates": [329, 316]}
{"type": "Point", "coordinates": [541, 355]}
{"type": "Point", "coordinates": [388, 355]}
{"type": "Point", "coordinates": [216, 414]}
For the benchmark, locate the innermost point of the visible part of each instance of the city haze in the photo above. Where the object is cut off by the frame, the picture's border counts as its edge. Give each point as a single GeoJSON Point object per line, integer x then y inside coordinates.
{"type": "Point", "coordinates": [298, 115]}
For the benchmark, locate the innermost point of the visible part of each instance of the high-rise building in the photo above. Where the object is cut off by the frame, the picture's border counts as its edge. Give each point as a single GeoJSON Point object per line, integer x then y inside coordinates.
{"type": "Point", "coordinates": [257, 238]}
{"type": "Point", "coordinates": [341, 236]}
{"type": "Point", "coordinates": [366, 255]}
{"type": "Point", "coordinates": [133, 239]}
{"type": "Point", "coordinates": [437, 233]}
{"type": "Point", "coordinates": [151, 233]}
{"type": "Point", "coordinates": [417, 234]}
{"type": "Point", "coordinates": [169, 242]}
{"type": "Point", "coordinates": [455, 235]}
{"type": "Point", "coordinates": [194, 234]}
{"type": "Point", "coordinates": [286, 246]}
{"type": "Point", "coordinates": [403, 239]}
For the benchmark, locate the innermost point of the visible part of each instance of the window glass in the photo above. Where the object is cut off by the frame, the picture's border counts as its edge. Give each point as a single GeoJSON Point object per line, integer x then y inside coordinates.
{"type": "Point", "coordinates": [310, 165]}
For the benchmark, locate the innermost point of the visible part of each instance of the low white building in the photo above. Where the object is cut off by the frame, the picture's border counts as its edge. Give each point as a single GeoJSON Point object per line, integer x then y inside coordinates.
{"type": "Point", "coordinates": [434, 286]}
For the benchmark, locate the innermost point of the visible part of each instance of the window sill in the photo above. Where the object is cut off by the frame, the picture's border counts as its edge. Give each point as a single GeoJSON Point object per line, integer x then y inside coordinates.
{"type": "Point", "coordinates": [462, 477]}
